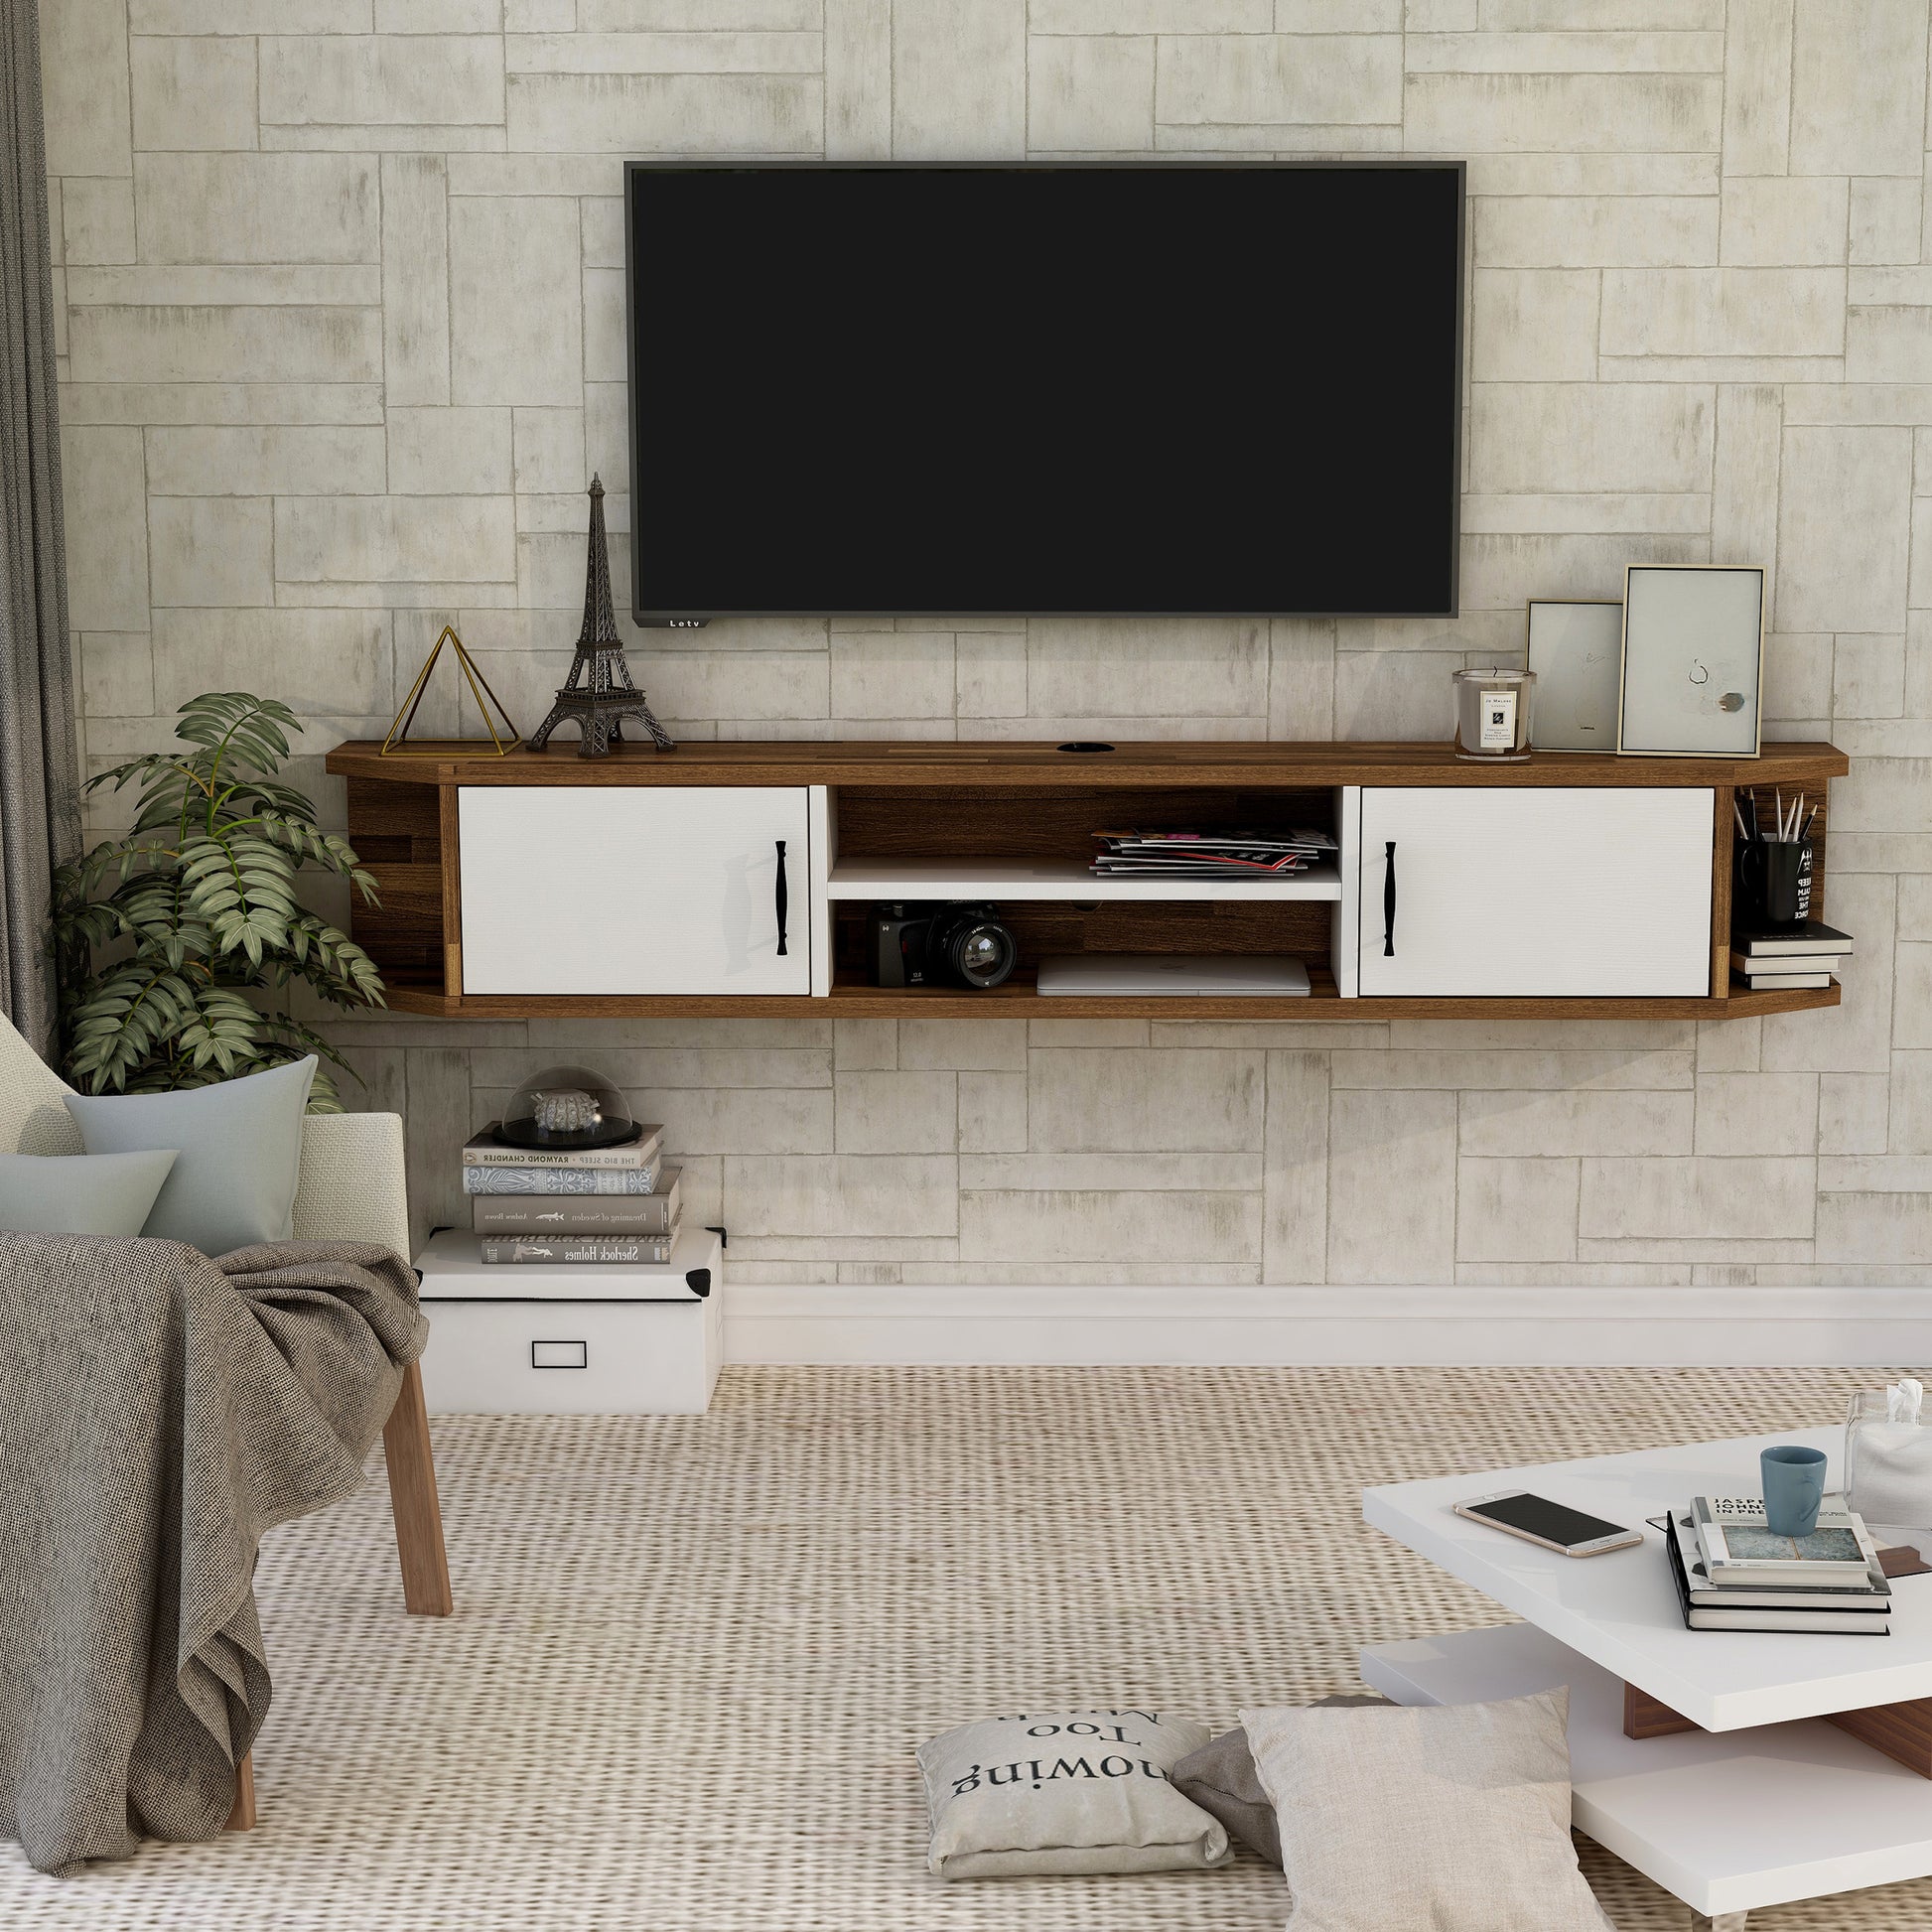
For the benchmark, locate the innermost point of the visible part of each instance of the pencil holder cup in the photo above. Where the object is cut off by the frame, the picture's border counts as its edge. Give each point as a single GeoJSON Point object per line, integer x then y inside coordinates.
{"type": "Point", "coordinates": [1784, 880]}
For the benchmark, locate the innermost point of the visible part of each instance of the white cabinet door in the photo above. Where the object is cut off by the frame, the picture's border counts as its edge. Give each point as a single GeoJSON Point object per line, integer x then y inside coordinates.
{"type": "Point", "coordinates": [1492, 891]}
{"type": "Point", "coordinates": [635, 888]}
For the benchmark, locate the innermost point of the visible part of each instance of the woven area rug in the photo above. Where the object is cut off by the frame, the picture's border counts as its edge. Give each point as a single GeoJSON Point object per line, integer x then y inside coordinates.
{"type": "Point", "coordinates": [692, 1656]}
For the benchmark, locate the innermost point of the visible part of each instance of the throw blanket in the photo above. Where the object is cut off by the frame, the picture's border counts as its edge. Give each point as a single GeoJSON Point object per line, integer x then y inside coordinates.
{"type": "Point", "coordinates": [157, 1412]}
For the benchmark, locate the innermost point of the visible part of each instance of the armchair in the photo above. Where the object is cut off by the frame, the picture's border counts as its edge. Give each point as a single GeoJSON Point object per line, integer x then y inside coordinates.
{"type": "Point", "coordinates": [350, 1189]}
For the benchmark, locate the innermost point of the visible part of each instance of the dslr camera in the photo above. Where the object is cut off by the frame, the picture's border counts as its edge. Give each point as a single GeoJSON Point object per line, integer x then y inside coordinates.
{"type": "Point", "coordinates": [925, 944]}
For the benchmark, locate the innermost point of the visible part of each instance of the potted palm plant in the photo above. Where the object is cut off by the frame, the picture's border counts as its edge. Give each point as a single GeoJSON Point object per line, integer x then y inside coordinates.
{"type": "Point", "coordinates": [174, 945]}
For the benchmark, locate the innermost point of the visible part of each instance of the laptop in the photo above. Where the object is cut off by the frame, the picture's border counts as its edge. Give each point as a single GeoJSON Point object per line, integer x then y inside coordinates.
{"type": "Point", "coordinates": [1127, 975]}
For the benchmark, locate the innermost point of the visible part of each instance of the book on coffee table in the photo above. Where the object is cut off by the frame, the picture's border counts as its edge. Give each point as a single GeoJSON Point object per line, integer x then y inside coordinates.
{"type": "Point", "coordinates": [1739, 1546]}
{"type": "Point", "coordinates": [1867, 1595]}
{"type": "Point", "coordinates": [1871, 1622]}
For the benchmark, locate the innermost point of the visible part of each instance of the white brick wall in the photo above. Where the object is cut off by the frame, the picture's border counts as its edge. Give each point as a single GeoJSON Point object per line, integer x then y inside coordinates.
{"type": "Point", "coordinates": [343, 340]}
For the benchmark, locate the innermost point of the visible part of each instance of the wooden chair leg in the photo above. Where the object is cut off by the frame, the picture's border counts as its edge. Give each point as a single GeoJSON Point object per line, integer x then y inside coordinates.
{"type": "Point", "coordinates": [419, 1542]}
{"type": "Point", "coordinates": [412, 1496]}
{"type": "Point", "coordinates": [242, 1817]}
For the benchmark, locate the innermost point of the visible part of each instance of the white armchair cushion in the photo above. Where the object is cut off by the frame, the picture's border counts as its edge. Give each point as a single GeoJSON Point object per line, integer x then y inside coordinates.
{"type": "Point", "coordinates": [352, 1186]}
{"type": "Point", "coordinates": [34, 1118]}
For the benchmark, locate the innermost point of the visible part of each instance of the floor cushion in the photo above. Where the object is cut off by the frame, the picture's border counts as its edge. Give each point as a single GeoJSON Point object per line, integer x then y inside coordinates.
{"type": "Point", "coordinates": [1451, 1817]}
{"type": "Point", "coordinates": [1079, 1791]}
{"type": "Point", "coordinates": [1221, 1778]}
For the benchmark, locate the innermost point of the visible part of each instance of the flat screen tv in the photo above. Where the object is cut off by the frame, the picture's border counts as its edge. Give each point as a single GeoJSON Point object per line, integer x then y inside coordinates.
{"type": "Point", "coordinates": [867, 389]}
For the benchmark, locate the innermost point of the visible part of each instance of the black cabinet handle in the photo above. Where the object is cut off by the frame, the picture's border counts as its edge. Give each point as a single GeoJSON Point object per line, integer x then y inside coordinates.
{"type": "Point", "coordinates": [782, 895]}
{"type": "Point", "coordinates": [1388, 906]}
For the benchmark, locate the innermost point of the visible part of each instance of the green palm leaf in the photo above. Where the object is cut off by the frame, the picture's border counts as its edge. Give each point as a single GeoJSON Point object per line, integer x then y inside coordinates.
{"type": "Point", "coordinates": [127, 1020]}
{"type": "Point", "coordinates": [224, 1032]}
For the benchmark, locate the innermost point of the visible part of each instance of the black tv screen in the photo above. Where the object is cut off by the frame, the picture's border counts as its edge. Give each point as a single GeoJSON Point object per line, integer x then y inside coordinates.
{"type": "Point", "coordinates": [926, 390]}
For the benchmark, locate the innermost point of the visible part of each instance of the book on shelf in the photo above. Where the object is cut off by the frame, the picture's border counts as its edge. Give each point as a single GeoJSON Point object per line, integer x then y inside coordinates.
{"type": "Point", "coordinates": [1785, 982]}
{"type": "Point", "coordinates": [1221, 866]}
{"type": "Point", "coordinates": [1813, 937]}
{"type": "Point", "coordinates": [1262, 854]}
{"type": "Point", "coordinates": [1844, 1623]}
{"type": "Point", "coordinates": [484, 1149]}
{"type": "Point", "coordinates": [1300, 838]}
{"type": "Point", "coordinates": [1761, 965]}
{"type": "Point", "coordinates": [581, 1215]}
{"type": "Point", "coordinates": [1739, 1546]}
{"type": "Point", "coordinates": [560, 1180]}
{"type": "Point", "coordinates": [576, 1250]}
{"type": "Point", "coordinates": [1871, 1593]}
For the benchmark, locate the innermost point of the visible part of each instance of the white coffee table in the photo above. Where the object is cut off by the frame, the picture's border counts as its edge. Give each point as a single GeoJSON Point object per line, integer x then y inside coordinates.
{"type": "Point", "coordinates": [1763, 1804]}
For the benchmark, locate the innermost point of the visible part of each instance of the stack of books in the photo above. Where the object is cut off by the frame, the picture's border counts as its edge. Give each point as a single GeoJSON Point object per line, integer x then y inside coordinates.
{"type": "Point", "coordinates": [603, 1206]}
{"type": "Point", "coordinates": [1732, 1574]}
{"type": "Point", "coordinates": [1790, 956]}
{"type": "Point", "coordinates": [1209, 855]}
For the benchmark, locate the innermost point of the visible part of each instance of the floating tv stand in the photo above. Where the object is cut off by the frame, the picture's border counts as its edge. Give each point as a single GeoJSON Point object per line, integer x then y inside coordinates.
{"type": "Point", "coordinates": [736, 878]}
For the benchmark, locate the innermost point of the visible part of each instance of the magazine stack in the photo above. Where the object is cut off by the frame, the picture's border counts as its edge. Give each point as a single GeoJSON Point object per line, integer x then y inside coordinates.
{"type": "Point", "coordinates": [600, 1205]}
{"type": "Point", "coordinates": [1733, 1573]}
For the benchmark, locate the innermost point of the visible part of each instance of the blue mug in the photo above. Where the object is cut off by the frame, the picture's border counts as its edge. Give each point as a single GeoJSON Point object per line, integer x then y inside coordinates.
{"type": "Point", "coordinates": [1794, 1486]}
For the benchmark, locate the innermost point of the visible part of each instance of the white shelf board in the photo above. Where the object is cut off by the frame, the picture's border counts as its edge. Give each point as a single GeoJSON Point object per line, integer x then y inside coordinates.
{"type": "Point", "coordinates": [1055, 878]}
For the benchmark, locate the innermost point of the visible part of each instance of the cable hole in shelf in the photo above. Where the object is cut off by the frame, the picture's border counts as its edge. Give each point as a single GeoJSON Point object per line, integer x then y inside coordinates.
{"type": "Point", "coordinates": [1085, 745]}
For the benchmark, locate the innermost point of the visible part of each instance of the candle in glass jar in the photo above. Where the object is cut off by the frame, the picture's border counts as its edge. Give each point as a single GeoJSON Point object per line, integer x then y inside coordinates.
{"type": "Point", "coordinates": [1492, 714]}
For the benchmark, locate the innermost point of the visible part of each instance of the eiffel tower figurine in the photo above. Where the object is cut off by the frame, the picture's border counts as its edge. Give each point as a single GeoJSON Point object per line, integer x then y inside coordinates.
{"type": "Point", "coordinates": [598, 694]}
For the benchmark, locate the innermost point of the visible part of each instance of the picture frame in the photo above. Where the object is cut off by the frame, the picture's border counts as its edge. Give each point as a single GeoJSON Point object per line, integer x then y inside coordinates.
{"type": "Point", "coordinates": [1575, 649]}
{"type": "Point", "coordinates": [1692, 681]}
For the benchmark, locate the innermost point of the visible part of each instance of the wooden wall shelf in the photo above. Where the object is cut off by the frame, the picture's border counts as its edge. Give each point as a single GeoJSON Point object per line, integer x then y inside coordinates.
{"type": "Point", "coordinates": [1011, 823]}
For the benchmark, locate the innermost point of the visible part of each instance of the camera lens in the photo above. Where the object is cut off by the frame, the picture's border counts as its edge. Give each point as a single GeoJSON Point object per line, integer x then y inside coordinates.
{"type": "Point", "coordinates": [981, 954]}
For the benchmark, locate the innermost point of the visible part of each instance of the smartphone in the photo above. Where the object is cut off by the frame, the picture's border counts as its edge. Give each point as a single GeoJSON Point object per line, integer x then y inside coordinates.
{"type": "Point", "coordinates": [1553, 1525]}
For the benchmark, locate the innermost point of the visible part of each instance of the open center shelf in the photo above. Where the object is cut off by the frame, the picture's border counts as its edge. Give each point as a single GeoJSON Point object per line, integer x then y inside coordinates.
{"type": "Point", "coordinates": [1057, 878]}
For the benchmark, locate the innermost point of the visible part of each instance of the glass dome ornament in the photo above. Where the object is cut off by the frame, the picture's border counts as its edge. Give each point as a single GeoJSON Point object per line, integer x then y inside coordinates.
{"type": "Point", "coordinates": [566, 1107]}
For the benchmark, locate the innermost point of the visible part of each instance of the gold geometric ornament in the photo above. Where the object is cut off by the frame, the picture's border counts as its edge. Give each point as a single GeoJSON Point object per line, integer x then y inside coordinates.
{"type": "Point", "coordinates": [398, 745]}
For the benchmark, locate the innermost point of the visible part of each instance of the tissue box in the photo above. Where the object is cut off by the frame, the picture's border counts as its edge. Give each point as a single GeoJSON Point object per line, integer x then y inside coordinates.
{"type": "Point", "coordinates": [1889, 1457]}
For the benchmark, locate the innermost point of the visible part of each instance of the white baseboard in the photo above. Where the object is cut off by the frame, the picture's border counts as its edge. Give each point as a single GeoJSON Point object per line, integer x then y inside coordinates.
{"type": "Point", "coordinates": [1281, 1326]}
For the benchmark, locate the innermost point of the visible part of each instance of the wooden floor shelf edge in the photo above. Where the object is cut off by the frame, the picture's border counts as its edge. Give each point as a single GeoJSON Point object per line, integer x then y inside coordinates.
{"type": "Point", "coordinates": [874, 1002]}
{"type": "Point", "coordinates": [726, 879]}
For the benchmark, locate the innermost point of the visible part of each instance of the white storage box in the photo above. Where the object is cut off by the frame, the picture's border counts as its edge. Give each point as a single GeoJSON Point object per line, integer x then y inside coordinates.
{"type": "Point", "coordinates": [515, 1339]}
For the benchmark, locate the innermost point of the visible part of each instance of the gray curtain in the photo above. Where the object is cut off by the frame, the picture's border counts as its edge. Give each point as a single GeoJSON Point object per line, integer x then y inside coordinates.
{"type": "Point", "coordinates": [39, 819]}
